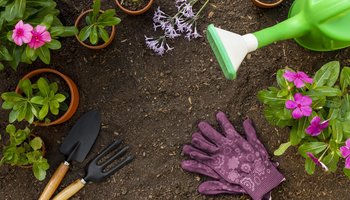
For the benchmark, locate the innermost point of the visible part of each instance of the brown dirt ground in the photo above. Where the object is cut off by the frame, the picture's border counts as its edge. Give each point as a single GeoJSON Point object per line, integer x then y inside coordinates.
{"type": "Point", "coordinates": [144, 99]}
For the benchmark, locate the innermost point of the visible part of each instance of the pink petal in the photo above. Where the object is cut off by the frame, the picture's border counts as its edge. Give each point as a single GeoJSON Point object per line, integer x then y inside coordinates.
{"type": "Point", "coordinates": [27, 37]}
{"type": "Point", "coordinates": [306, 101]}
{"type": "Point", "coordinates": [19, 24]}
{"type": "Point", "coordinates": [305, 77]}
{"type": "Point", "coordinates": [347, 162]}
{"type": "Point", "coordinates": [46, 37]}
{"type": "Point", "coordinates": [313, 130]}
{"type": "Point", "coordinates": [297, 97]}
{"type": "Point", "coordinates": [289, 75]}
{"type": "Point", "coordinates": [38, 44]}
{"type": "Point", "coordinates": [18, 41]}
{"type": "Point", "coordinates": [297, 114]}
{"type": "Point", "coordinates": [306, 110]}
{"type": "Point", "coordinates": [345, 151]}
{"type": "Point", "coordinates": [347, 143]}
{"type": "Point", "coordinates": [299, 83]}
{"type": "Point", "coordinates": [291, 104]}
{"type": "Point", "coordinates": [316, 120]}
{"type": "Point", "coordinates": [40, 29]}
{"type": "Point", "coordinates": [324, 125]}
{"type": "Point", "coordinates": [27, 27]}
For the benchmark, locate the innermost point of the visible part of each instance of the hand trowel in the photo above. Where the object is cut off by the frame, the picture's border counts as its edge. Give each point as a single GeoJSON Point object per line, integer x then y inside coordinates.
{"type": "Point", "coordinates": [75, 146]}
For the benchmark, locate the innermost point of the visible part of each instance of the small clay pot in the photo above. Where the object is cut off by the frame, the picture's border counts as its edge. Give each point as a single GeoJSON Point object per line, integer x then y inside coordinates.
{"type": "Point", "coordinates": [263, 4]}
{"type": "Point", "coordinates": [135, 12]}
{"type": "Point", "coordinates": [74, 95]}
{"type": "Point", "coordinates": [111, 37]}
{"type": "Point", "coordinates": [43, 148]}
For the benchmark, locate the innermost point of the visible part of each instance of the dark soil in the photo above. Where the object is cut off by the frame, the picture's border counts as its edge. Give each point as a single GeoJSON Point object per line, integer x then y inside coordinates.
{"type": "Point", "coordinates": [154, 103]}
{"type": "Point", "coordinates": [134, 5]}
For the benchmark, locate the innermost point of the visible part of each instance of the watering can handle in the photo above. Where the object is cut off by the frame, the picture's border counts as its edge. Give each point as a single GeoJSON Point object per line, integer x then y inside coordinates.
{"type": "Point", "coordinates": [328, 8]}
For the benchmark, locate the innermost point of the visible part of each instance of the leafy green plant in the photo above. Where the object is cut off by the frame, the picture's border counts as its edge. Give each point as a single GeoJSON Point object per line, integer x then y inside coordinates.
{"type": "Point", "coordinates": [25, 149]}
{"type": "Point", "coordinates": [96, 23]}
{"type": "Point", "coordinates": [33, 13]}
{"type": "Point", "coordinates": [36, 101]}
{"type": "Point", "coordinates": [317, 110]}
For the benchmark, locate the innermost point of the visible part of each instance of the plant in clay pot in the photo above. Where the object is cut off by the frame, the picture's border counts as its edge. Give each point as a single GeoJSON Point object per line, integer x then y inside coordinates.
{"type": "Point", "coordinates": [134, 7]}
{"type": "Point", "coordinates": [317, 109]}
{"type": "Point", "coordinates": [25, 150]}
{"type": "Point", "coordinates": [96, 22]}
{"type": "Point", "coordinates": [36, 101]}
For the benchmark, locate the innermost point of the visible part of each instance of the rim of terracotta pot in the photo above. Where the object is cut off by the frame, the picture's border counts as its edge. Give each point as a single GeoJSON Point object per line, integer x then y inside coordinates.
{"type": "Point", "coordinates": [262, 4]}
{"type": "Point", "coordinates": [135, 12]}
{"type": "Point", "coordinates": [74, 95]}
{"type": "Point", "coordinates": [43, 147]}
{"type": "Point", "coordinates": [76, 24]}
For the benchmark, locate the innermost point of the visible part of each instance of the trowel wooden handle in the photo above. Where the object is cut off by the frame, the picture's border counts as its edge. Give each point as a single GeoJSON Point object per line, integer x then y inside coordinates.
{"type": "Point", "coordinates": [70, 190]}
{"type": "Point", "coordinates": [54, 181]}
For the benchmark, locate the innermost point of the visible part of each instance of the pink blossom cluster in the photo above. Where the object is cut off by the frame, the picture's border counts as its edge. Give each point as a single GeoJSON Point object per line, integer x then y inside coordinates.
{"type": "Point", "coordinates": [34, 37]}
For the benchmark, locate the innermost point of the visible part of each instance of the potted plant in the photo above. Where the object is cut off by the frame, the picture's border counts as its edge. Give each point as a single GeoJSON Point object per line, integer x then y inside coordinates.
{"type": "Point", "coordinates": [37, 101]}
{"type": "Point", "coordinates": [317, 109]}
{"type": "Point", "coordinates": [32, 29]}
{"type": "Point", "coordinates": [95, 25]}
{"type": "Point", "coordinates": [134, 7]}
{"type": "Point", "coordinates": [25, 150]}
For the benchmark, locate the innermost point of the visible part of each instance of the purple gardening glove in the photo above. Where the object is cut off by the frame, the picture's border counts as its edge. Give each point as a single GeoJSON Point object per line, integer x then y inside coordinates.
{"type": "Point", "coordinates": [218, 185]}
{"type": "Point", "coordinates": [235, 159]}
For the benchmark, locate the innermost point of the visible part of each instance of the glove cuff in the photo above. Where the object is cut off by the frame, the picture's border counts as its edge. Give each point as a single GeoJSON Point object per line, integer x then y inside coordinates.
{"type": "Point", "coordinates": [258, 183]}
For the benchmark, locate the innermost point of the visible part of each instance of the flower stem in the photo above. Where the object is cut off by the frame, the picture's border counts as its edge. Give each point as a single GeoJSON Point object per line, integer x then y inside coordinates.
{"type": "Point", "coordinates": [200, 10]}
{"type": "Point", "coordinates": [324, 152]}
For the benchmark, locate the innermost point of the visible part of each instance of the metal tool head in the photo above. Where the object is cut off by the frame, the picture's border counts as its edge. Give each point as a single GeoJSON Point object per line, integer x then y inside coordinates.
{"type": "Point", "coordinates": [81, 137]}
{"type": "Point", "coordinates": [98, 172]}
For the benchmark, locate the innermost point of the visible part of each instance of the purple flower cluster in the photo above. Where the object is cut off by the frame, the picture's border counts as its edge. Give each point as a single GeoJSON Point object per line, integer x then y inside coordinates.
{"type": "Point", "coordinates": [184, 22]}
{"type": "Point", "coordinates": [301, 105]}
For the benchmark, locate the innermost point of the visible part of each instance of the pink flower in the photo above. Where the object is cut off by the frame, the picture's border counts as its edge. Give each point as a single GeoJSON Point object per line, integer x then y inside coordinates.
{"type": "Point", "coordinates": [345, 152]}
{"type": "Point", "coordinates": [316, 126]}
{"type": "Point", "coordinates": [317, 161]}
{"type": "Point", "coordinates": [299, 78]}
{"type": "Point", "coordinates": [40, 37]}
{"type": "Point", "coordinates": [301, 106]}
{"type": "Point", "coordinates": [22, 33]}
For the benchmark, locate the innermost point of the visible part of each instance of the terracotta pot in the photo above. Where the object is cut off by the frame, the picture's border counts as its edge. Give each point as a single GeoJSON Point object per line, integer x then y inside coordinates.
{"type": "Point", "coordinates": [74, 95]}
{"type": "Point", "coordinates": [111, 37]}
{"type": "Point", "coordinates": [135, 12]}
{"type": "Point", "coordinates": [43, 148]}
{"type": "Point", "coordinates": [263, 4]}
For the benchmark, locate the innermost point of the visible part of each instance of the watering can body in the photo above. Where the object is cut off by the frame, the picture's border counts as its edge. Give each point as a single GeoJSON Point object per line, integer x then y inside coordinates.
{"type": "Point", "coordinates": [319, 25]}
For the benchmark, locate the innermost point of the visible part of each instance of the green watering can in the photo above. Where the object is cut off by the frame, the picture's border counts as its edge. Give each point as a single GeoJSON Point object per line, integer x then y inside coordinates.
{"type": "Point", "coordinates": [319, 25]}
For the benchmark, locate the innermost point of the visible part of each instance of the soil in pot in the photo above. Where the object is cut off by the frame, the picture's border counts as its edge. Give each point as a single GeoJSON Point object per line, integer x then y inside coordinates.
{"type": "Point", "coordinates": [134, 5]}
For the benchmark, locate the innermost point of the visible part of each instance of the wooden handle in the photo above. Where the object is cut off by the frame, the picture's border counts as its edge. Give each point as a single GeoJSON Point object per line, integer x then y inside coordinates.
{"type": "Point", "coordinates": [70, 190]}
{"type": "Point", "coordinates": [55, 181]}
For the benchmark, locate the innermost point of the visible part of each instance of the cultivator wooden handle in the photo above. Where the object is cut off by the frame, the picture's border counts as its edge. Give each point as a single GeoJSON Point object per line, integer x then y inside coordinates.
{"type": "Point", "coordinates": [55, 181]}
{"type": "Point", "coordinates": [70, 190]}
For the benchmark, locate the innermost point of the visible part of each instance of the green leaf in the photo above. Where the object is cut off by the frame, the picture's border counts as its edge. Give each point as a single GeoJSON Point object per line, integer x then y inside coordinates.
{"type": "Point", "coordinates": [26, 87]}
{"type": "Point", "coordinates": [44, 54]}
{"type": "Point", "coordinates": [312, 147]}
{"type": "Point", "coordinates": [63, 31]}
{"type": "Point", "coordinates": [309, 166]}
{"type": "Point", "coordinates": [10, 129]}
{"type": "Point", "coordinates": [96, 9]}
{"type": "Point", "coordinates": [54, 87]}
{"type": "Point", "coordinates": [282, 148]}
{"type": "Point", "coordinates": [37, 100]}
{"type": "Point", "coordinates": [2, 67]}
{"type": "Point", "coordinates": [327, 75]}
{"type": "Point", "coordinates": [20, 6]}
{"type": "Point", "coordinates": [337, 131]}
{"type": "Point", "coordinates": [47, 21]}
{"type": "Point", "coordinates": [36, 143]}
{"type": "Point", "coordinates": [103, 33]}
{"type": "Point", "coordinates": [11, 11]}
{"type": "Point", "coordinates": [22, 112]}
{"type": "Point", "coordinates": [333, 102]}
{"type": "Point", "coordinates": [318, 102]}
{"type": "Point", "coordinates": [88, 19]}
{"type": "Point", "coordinates": [54, 45]}
{"type": "Point", "coordinates": [11, 96]}
{"type": "Point", "coordinates": [303, 123]}
{"type": "Point", "coordinates": [16, 53]}
{"type": "Point", "coordinates": [271, 98]}
{"type": "Point", "coordinates": [347, 172]}
{"type": "Point", "coordinates": [85, 33]}
{"type": "Point", "coordinates": [331, 161]}
{"type": "Point", "coordinates": [94, 36]}
{"type": "Point", "coordinates": [43, 86]}
{"type": "Point", "coordinates": [324, 91]}
{"type": "Point", "coordinates": [280, 117]}
{"type": "Point", "coordinates": [345, 78]}
{"type": "Point", "coordinates": [107, 14]}
{"type": "Point", "coordinates": [13, 115]}
{"type": "Point", "coordinates": [110, 21]}
{"type": "Point", "coordinates": [43, 111]}
{"type": "Point", "coordinates": [294, 138]}
{"type": "Point", "coordinates": [60, 97]}
{"type": "Point", "coordinates": [39, 169]}
{"type": "Point", "coordinates": [30, 52]}
{"type": "Point", "coordinates": [4, 54]}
